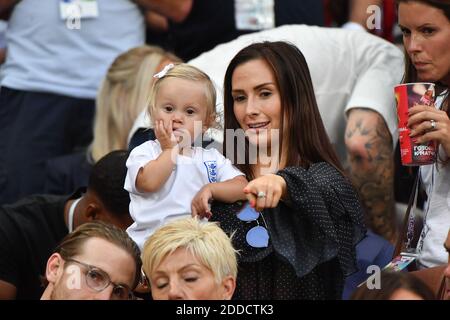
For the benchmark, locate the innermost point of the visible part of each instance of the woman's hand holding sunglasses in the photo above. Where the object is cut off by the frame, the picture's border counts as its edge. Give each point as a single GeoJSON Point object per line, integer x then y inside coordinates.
{"type": "Point", "coordinates": [265, 191]}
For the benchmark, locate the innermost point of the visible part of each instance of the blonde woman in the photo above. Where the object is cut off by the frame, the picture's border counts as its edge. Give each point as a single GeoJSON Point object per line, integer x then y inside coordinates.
{"type": "Point", "coordinates": [122, 96]}
{"type": "Point", "coordinates": [189, 259]}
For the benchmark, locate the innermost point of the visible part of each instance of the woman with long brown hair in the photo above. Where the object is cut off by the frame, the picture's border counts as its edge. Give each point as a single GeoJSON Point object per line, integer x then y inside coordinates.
{"type": "Point", "coordinates": [297, 234]}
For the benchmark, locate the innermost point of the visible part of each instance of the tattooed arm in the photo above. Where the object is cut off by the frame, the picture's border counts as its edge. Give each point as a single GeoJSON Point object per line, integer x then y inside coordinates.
{"type": "Point", "coordinates": [370, 156]}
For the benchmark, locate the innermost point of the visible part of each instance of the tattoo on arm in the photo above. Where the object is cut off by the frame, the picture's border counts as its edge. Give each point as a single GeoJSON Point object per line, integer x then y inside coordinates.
{"type": "Point", "coordinates": [370, 155]}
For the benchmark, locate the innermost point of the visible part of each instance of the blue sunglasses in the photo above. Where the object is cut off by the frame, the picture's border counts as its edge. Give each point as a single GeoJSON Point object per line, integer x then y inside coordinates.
{"type": "Point", "coordinates": [258, 236]}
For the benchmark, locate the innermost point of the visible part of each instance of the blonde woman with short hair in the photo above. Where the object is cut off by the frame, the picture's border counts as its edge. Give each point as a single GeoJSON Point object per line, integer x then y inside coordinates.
{"type": "Point", "coordinates": [190, 259]}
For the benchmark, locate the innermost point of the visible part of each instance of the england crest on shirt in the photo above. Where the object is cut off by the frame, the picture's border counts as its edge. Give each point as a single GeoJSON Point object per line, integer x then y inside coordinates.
{"type": "Point", "coordinates": [211, 169]}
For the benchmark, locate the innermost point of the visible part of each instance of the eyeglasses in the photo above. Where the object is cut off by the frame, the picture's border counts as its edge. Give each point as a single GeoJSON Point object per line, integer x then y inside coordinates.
{"type": "Point", "coordinates": [258, 236]}
{"type": "Point", "coordinates": [99, 280]}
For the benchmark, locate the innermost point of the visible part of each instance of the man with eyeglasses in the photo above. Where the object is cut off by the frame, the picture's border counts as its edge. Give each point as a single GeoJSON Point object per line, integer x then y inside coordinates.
{"type": "Point", "coordinates": [31, 228]}
{"type": "Point", "coordinates": [95, 262]}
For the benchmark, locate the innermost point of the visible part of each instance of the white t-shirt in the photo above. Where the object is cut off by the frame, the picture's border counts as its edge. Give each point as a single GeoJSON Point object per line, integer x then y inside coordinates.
{"type": "Point", "coordinates": [173, 201]}
{"type": "Point", "coordinates": [349, 69]}
{"type": "Point", "coordinates": [45, 55]}
{"type": "Point", "coordinates": [436, 224]}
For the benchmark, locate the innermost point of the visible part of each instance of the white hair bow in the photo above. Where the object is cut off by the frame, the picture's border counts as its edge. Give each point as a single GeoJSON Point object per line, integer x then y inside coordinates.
{"type": "Point", "coordinates": [164, 71]}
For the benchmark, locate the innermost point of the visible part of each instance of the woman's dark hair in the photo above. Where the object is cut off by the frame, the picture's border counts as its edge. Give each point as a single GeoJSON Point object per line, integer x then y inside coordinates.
{"type": "Point", "coordinates": [444, 5]}
{"type": "Point", "coordinates": [305, 139]}
{"type": "Point", "coordinates": [391, 282]}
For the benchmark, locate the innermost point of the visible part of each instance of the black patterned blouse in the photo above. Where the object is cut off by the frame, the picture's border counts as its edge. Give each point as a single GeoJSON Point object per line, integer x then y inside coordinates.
{"type": "Point", "coordinates": [312, 238]}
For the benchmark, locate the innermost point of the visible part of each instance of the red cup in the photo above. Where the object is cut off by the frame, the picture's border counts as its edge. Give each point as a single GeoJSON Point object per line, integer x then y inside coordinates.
{"type": "Point", "coordinates": [407, 96]}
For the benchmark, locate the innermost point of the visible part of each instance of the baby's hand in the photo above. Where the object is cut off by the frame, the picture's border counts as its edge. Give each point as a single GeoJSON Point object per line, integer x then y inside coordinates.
{"type": "Point", "coordinates": [200, 203]}
{"type": "Point", "coordinates": [164, 134]}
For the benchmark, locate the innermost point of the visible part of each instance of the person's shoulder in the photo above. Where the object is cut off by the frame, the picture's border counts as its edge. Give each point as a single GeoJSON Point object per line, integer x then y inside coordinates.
{"type": "Point", "coordinates": [33, 211]}
{"type": "Point", "coordinates": [323, 169]}
{"type": "Point", "coordinates": [143, 148]}
{"type": "Point", "coordinates": [327, 176]}
{"type": "Point", "coordinates": [149, 144]}
{"type": "Point", "coordinates": [363, 41]}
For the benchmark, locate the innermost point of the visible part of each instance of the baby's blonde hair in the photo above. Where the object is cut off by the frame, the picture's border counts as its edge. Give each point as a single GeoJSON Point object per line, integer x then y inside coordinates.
{"type": "Point", "coordinates": [187, 72]}
{"type": "Point", "coordinates": [204, 240]}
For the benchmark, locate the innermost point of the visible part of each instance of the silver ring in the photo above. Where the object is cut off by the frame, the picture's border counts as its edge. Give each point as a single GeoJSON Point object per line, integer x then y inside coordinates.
{"type": "Point", "coordinates": [261, 194]}
{"type": "Point", "coordinates": [433, 124]}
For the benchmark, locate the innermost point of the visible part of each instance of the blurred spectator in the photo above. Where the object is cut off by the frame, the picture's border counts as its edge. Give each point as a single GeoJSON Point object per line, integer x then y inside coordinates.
{"type": "Point", "coordinates": [55, 61]}
{"type": "Point", "coordinates": [194, 249]}
{"type": "Point", "coordinates": [395, 286]}
{"type": "Point", "coordinates": [105, 260]}
{"type": "Point", "coordinates": [210, 23]}
{"type": "Point", "coordinates": [353, 14]}
{"type": "Point", "coordinates": [31, 228]}
{"type": "Point", "coordinates": [122, 96]}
